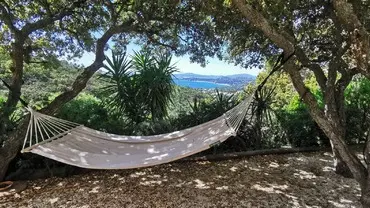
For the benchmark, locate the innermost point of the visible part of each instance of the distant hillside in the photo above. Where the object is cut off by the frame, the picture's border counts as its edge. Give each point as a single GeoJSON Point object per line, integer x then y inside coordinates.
{"type": "Point", "coordinates": [235, 80]}
{"type": "Point", "coordinates": [202, 76]}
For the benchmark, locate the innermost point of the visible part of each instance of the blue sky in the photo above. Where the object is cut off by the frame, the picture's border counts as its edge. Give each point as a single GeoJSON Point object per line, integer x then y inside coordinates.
{"type": "Point", "coordinates": [214, 67]}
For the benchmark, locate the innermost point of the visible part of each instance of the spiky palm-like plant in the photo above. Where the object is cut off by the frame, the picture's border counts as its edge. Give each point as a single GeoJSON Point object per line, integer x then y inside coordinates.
{"type": "Point", "coordinates": [154, 75]}
{"type": "Point", "coordinates": [140, 86]}
{"type": "Point", "coordinates": [119, 87]}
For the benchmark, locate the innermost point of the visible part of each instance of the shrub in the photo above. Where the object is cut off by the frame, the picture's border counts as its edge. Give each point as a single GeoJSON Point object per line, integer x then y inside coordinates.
{"type": "Point", "coordinates": [2, 100]}
{"type": "Point", "coordinates": [357, 97]}
{"type": "Point", "coordinates": [88, 110]}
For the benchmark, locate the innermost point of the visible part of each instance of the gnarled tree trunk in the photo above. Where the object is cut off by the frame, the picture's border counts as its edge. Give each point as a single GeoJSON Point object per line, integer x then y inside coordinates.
{"type": "Point", "coordinates": [331, 120]}
{"type": "Point", "coordinates": [11, 147]}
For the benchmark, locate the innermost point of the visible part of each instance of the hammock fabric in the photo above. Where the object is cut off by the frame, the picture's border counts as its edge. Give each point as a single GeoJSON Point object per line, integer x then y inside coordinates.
{"type": "Point", "coordinates": [77, 145]}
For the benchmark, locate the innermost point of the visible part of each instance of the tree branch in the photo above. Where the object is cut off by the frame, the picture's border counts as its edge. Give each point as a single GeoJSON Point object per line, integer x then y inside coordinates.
{"type": "Point", "coordinates": [80, 82]}
{"type": "Point", "coordinates": [346, 14]}
{"type": "Point", "coordinates": [158, 42]}
{"type": "Point", "coordinates": [7, 16]}
{"type": "Point", "coordinates": [73, 33]}
{"type": "Point", "coordinates": [280, 38]}
{"type": "Point", "coordinates": [315, 68]}
{"type": "Point", "coordinates": [359, 34]}
{"type": "Point", "coordinates": [358, 170]}
{"type": "Point", "coordinates": [31, 27]}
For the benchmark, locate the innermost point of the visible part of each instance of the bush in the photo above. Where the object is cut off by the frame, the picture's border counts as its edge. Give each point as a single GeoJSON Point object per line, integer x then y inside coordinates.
{"type": "Point", "coordinates": [358, 110]}
{"type": "Point", "coordinates": [2, 100]}
{"type": "Point", "coordinates": [298, 126]}
{"type": "Point", "coordinates": [88, 110]}
{"type": "Point", "coordinates": [300, 130]}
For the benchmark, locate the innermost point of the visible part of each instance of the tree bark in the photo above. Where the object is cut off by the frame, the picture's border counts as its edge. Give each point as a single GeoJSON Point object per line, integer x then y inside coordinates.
{"type": "Point", "coordinates": [329, 127]}
{"type": "Point", "coordinates": [365, 196]}
{"type": "Point", "coordinates": [11, 147]}
{"type": "Point", "coordinates": [365, 193]}
{"type": "Point", "coordinates": [16, 83]}
{"type": "Point", "coordinates": [341, 168]}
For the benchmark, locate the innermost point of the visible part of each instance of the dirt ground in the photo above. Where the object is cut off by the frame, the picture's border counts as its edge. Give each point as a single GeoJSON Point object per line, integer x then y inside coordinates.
{"type": "Point", "coordinates": [293, 180]}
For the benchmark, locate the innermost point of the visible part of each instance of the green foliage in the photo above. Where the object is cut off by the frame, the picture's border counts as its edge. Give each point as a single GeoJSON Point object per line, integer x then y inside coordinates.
{"type": "Point", "coordinates": [181, 100]}
{"type": "Point", "coordinates": [204, 109]}
{"type": "Point", "coordinates": [358, 94]}
{"type": "Point", "coordinates": [119, 85]}
{"type": "Point", "coordinates": [88, 110]}
{"type": "Point", "coordinates": [2, 100]}
{"type": "Point", "coordinates": [299, 128]}
{"type": "Point", "coordinates": [85, 109]}
{"type": "Point", "coordinates": [294, 121]}
{"type": "Point", "coordinates": [281, 116]}
{"type": "Point", "coordinates": [140, 86]}
{"type": "Point", "coordinates": [41, 81]}
{"type": "Point", "coordinates": [358, 110]}
{"type": "Point", "coordinates": [155, 81]}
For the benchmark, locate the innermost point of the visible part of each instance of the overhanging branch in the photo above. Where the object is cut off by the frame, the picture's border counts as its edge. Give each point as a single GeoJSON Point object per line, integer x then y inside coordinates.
{"type": "Point", "coordinates": [280, 38]}
{"type": "Point", "coordinates": [359, 34]}
{"type": "Point", "coordinates": [7, 16]}
{"type": "Point", "coordinates": [50, 18]}
{"type": "Point", "coordinates": [81, 80]}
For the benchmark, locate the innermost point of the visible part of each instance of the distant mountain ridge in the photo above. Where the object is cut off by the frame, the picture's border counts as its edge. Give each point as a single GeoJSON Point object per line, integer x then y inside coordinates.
{"type": "Point", "coordinates": [235, 80]}
{"type": "Point", "coordinates": [192, 75]}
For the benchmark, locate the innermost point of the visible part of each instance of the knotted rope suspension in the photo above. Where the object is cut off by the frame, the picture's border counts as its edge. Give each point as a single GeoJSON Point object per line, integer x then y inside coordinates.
{"type": "Point", "coordinates": [43, 128]}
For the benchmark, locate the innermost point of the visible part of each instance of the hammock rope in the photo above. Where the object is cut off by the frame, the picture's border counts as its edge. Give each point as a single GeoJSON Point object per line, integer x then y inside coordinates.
{"type": "Point", "coordinates": [43, 128]}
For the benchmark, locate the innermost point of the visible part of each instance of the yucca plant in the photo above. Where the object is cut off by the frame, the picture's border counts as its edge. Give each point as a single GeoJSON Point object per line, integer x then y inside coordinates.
{"type": "Point", "coordinates": [223, 102]}
{"type": "Point", "coordinates": [262, 114]}
{"type": "Point", "coordinates": [154, 75]}
{"type": "Point", "coordinates": [118, 77]}
{"type": "Point", "coordinates": [139, 88]}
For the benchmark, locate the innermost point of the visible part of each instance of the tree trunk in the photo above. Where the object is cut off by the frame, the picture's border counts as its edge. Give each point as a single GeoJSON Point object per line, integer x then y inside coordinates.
{"type": "Point", "coordinates": [15, 85]}
{"type": "Point", "coordinates": [80, 82]}
{"type": "Point", "coordinates": [330, 125]}
{"type": "Point", "coordinates": [341, 168]}
{"type": "Point", "coordinates": [257, 133]}
{"type": "Point", "coordinates": [365, 194]}
{"type": "Point", "coordinates": [11, 147]}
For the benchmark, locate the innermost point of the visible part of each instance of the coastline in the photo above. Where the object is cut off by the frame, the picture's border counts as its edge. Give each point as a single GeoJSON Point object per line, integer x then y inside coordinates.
{"type": "Point", "coordinates": [197, 84]}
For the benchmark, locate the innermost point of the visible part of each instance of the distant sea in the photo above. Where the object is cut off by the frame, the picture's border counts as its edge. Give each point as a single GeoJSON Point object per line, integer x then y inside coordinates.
{"type": "Point", "coordinates": [198, 84]}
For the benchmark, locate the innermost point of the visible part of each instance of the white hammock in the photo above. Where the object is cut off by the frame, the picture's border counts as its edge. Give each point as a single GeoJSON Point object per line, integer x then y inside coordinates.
{"type": "Point", "coordinates": [77, 145]}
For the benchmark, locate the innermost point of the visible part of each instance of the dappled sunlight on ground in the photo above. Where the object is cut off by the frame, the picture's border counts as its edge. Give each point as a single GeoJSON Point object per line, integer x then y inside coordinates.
{"type": "Point", "coordinates": [295, 180]}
